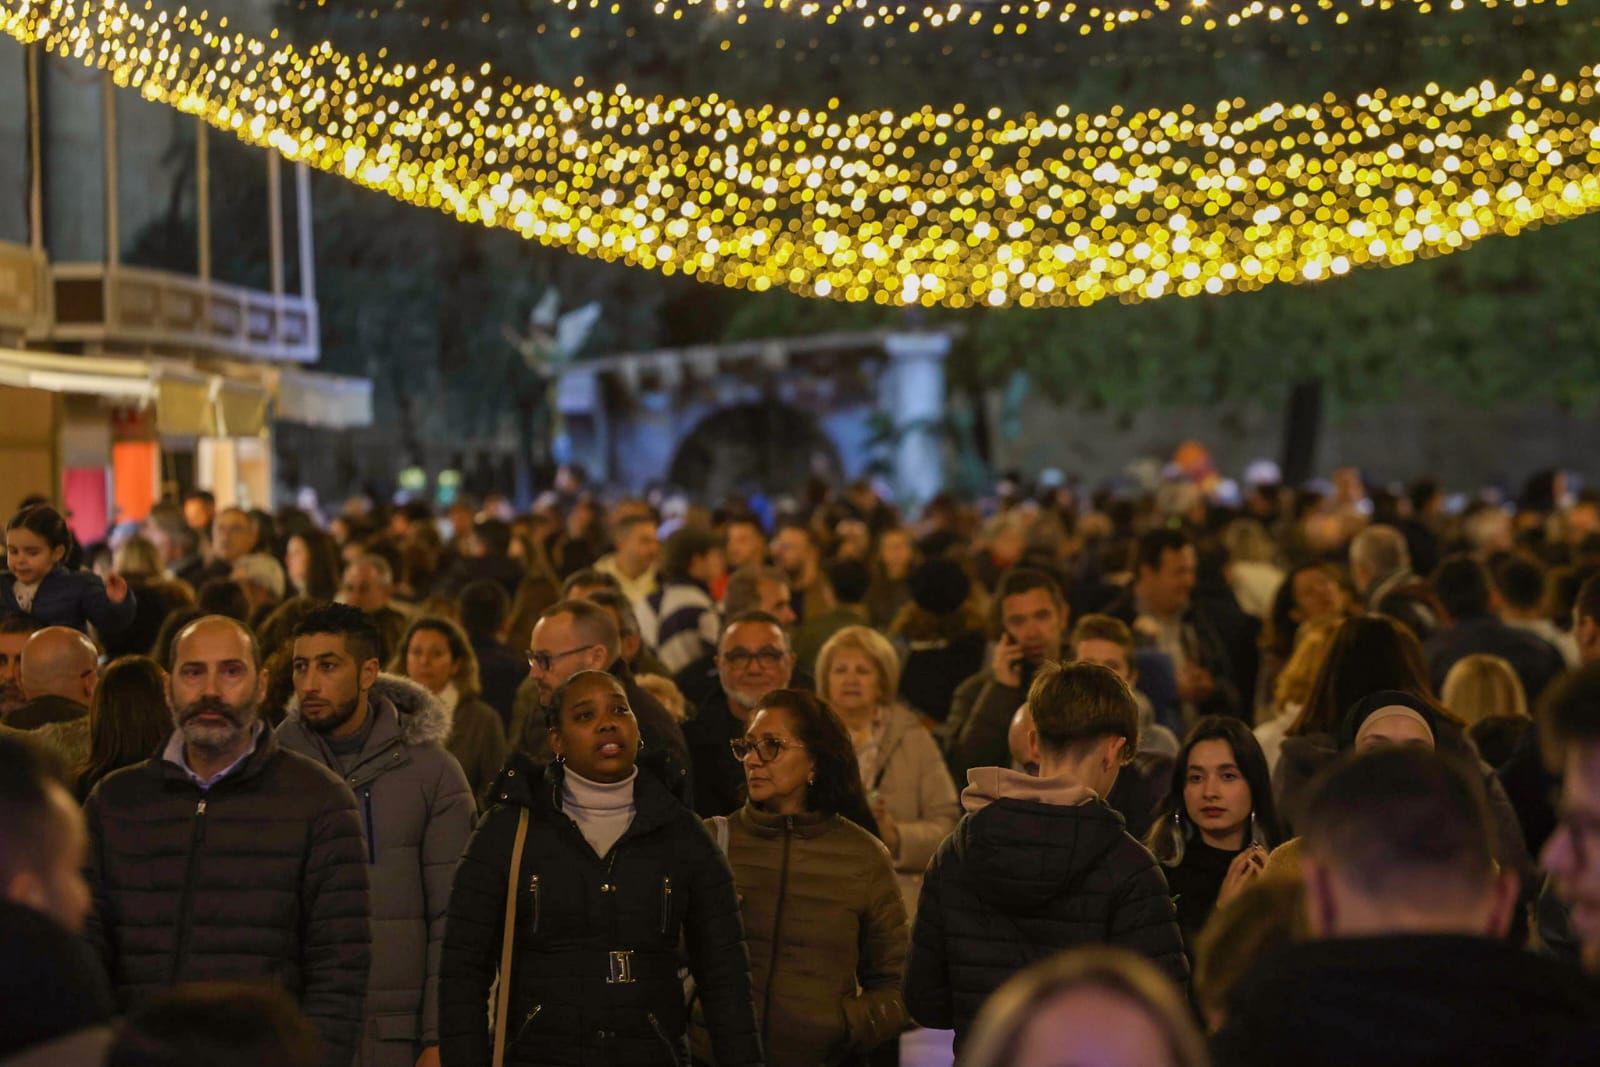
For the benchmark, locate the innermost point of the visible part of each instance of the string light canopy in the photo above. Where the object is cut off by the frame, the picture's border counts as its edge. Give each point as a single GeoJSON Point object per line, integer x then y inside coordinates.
{"type": "Point", "coordinates": [937, 208]}
{"type": "Point", "coordinates": [1019, 16]}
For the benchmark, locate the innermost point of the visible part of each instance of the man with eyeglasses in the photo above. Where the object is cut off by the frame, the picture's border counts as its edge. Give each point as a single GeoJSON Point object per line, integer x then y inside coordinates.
{"type": "Point", "coordinates": [753, 659]}
{"type": "Point", "coordinates": [577, 635]}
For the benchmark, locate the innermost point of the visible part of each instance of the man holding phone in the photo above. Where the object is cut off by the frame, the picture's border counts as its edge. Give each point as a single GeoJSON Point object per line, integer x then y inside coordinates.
{"type": "Point", "coordinates": [1031, 619]}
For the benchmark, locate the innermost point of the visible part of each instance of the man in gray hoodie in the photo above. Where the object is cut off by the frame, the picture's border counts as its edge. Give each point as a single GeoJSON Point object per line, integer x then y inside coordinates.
{"type": "Point", "coordinates": [385, 737]}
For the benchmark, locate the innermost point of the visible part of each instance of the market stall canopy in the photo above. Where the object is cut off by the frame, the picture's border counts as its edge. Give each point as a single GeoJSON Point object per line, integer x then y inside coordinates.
{"type": "Point", "coordinates": [192, 401]}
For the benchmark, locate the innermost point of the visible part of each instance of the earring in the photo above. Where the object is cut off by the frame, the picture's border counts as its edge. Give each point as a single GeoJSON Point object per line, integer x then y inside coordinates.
{"type": "Point", "coordinates": [813, 779]}
{"type": "Point", "coordinates": [561, 760]}
{"type": "Point", "coordinates": [1179, 836]}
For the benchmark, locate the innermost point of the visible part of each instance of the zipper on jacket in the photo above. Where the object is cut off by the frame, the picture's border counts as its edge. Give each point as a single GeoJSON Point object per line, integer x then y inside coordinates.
{"type": "Point", "coordinates": [533, 891]}
{"type": "Point", "coordinates": [180, 949]}
{"type": "Point", "coordinates": [672, 1050]}
{"type": "Point", "coordinates": [777, 929]}
{"type": "Point", "coordinates": [372, 831]}
{"type": "Point", "coordinates": [666, 903]}
{"type": "Point", "coordinates": [532, 1015]}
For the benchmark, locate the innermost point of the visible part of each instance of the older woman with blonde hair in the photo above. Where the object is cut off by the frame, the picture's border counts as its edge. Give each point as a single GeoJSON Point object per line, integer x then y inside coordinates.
{"type": "Point", "coordinates": [1102, 1005]}
{"type": "Point", "coordinates": [908, 786]}
{"type": "Point", "coordinates": [436, 654]}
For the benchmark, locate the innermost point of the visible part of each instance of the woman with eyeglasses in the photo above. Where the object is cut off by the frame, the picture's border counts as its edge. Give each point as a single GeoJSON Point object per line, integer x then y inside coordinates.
{"type": "Point", "coordinates": [826, 927]}
{"type": "Point", "coordinates": [614, 875]}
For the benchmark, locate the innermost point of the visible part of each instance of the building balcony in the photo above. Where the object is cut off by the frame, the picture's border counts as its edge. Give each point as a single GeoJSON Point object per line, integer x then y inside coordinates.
{"type": "Point", "coordinates": [140, 309]}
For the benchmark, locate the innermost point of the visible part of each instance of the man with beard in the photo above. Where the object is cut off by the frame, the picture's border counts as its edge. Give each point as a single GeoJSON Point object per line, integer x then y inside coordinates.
{"type": "Point", "coordinates": [385, 736]}
{"type": "Point", "coordinates": [753, 659]}
{"type": "Point", "coordinates": [1030, 616]}
{"type": "Point", "coordinates": [15, 629]}
{"type": "Point", "coordinates": [797, 550]}
{"type": "Point", "coordinates": [227, 856]}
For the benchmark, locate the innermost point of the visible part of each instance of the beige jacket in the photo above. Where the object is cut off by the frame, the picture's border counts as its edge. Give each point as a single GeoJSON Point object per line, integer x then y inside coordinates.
{"type": "Point", "coordinates": [913, 783]}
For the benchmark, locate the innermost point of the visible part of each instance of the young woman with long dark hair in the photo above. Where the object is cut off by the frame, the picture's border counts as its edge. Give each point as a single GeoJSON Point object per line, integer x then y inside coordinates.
{"type": "Point", "coordinates": [1219, 821]}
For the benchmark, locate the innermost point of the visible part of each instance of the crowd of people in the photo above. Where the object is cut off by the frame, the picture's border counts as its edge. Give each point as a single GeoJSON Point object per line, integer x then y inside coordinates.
{"type": "Point", "coordinates": [1113, 779]}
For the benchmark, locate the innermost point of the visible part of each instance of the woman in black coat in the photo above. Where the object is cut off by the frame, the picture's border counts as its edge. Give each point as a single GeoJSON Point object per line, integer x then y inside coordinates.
{"type": "Point", "coordinates": [615, 874]}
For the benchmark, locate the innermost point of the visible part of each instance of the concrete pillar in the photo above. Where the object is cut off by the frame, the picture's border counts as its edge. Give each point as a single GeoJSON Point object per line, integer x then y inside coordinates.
{"type": "Point", "coordinates": [912, 391]}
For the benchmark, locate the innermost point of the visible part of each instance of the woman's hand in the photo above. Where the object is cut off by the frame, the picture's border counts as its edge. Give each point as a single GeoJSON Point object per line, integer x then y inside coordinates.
{"type": "Point", "coordinates": [116, 588]}
{"type": "Point", "coordinates": [1242, 872]}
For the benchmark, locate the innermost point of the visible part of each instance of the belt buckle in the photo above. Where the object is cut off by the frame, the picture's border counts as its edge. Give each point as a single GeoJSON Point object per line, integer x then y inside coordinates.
{"type": "Point", "coordinates": [621, 967]}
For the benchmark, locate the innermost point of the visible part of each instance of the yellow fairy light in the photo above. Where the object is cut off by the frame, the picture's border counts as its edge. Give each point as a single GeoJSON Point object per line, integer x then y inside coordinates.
{"type": "Point", "coordinates": [929, 207]}
{"type": "Point", "coordinates": [1016, 18]}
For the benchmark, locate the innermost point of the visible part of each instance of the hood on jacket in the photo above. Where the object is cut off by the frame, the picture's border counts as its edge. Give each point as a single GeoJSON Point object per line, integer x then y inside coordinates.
{"type": "Point", "coordinates": [985, 785]}
{"type": "Point", "coordinates": [1020, 851]}
{"type": "Point", "coordinates": [423, 717]}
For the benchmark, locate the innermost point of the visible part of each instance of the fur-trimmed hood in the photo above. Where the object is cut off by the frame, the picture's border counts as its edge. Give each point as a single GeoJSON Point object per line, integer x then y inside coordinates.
{"type": "Point", "coordinates": [423, 716]}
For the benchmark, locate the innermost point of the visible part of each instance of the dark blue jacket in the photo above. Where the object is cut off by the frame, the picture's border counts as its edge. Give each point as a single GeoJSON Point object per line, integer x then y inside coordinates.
{"type": "Point", "coordinates": [71, 598]}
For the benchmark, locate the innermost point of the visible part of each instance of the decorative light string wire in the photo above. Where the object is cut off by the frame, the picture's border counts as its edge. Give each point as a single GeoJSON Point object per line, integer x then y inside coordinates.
{"type": "Point", "coordinates": [1012, 16]}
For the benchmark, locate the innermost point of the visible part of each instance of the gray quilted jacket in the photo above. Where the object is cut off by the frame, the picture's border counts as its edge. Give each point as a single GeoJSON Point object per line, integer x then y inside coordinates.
{"type": "Point", "coordinates": [417, 812]}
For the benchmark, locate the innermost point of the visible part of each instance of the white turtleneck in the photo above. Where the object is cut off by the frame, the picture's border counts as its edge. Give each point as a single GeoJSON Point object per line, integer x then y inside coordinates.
{"type": "Point", "coordinates": [603, 811]}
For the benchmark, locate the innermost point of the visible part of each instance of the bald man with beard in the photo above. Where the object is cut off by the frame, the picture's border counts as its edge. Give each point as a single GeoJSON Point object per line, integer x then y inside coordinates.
{"type": "Point", "coordinates": [226, 856]}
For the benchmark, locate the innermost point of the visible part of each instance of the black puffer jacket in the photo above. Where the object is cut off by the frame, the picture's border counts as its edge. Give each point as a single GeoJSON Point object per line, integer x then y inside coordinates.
{"type": "Point", "coordinates": [1036, 867]}
{"type": "Point", "coordinates": [663, 883]}
{"type": "Point", "coordinates": [262, 877]}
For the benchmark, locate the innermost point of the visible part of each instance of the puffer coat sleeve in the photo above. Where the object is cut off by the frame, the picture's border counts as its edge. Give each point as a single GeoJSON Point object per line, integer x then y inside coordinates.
{"type": "Point", "coordinates": [472, 940]}
{"type": "Point", "coordinates": [96, 605]}
{"type": "Point", "coordinates": [449, 827]}
{"type": "Point", "coordinates": [714, 936]}
{"type": "Point", "coordinates": [878, 1012]}
{"type": "Point", "coordinates": [928, 993]}
{"type": "Point", "coordinates": [338, 946]}
{"type": "Point", "coordinates": [1143, 918]}
{"type": "Point", "coordinates": [96, 931]}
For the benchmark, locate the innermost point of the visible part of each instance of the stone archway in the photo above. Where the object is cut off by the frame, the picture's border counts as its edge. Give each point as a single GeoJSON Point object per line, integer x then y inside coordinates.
{"type": "Point", "coordinates": [766, 445]}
